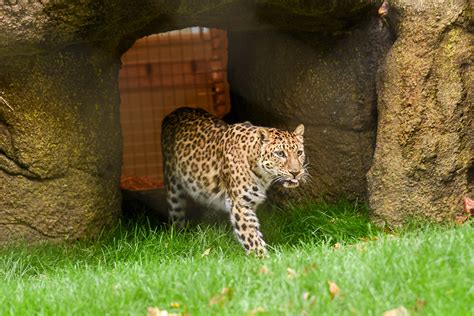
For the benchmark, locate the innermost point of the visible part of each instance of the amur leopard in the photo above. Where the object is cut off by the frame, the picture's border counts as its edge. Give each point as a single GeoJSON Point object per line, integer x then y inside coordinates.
{"type": "Point", "coordinates": [228, 167]}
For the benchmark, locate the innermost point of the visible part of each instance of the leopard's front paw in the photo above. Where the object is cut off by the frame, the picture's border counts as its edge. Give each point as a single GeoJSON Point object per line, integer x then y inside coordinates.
{"type": "Point", "coordinates": [178, 224]}
{"type": "Point", "coordinates": [261, 253]}
{"type": "Point", "coordinates": [257, 247]}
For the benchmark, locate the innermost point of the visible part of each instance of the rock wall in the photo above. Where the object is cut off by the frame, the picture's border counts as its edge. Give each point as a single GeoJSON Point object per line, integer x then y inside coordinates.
{"type": "Point", "coordinates": [423, 163]}
{"type": "Point", "coordinates": [60, 148]}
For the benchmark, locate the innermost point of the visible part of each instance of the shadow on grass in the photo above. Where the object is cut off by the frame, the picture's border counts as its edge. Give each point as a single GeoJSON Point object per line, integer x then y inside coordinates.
{"type": "Point", "coordinates": [145, 238]}
{"type": "Point", "coordinates": [313, 221]}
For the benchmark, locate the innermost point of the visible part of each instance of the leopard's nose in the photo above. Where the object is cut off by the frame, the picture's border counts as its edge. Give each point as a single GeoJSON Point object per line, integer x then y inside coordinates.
{"type": "Point", "coordinates": [295, 173]}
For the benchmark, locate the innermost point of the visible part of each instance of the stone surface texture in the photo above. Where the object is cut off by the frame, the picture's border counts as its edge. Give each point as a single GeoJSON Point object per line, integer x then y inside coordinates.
{"type": "Point", "coordinates": [60, 144]}
{"type": "Point", "coordinates": [423, 163]}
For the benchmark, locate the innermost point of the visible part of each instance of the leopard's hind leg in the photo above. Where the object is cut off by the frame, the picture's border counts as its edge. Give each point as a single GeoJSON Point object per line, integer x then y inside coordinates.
{"type": "Point", "coordinates": [177, 205]}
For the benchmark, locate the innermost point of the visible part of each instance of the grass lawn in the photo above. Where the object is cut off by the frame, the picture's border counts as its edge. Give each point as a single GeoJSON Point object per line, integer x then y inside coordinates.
{"type": "Point", "coordinates": [202, 271]}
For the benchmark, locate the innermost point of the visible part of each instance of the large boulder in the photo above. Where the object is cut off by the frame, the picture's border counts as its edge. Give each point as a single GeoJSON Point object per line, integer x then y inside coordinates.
{"type": "Point", "coordinates": [60, 138]}
{"type": "Point", "coordinates": [423, 163]}
{"type": "Point", "coordinates": [60, 145]}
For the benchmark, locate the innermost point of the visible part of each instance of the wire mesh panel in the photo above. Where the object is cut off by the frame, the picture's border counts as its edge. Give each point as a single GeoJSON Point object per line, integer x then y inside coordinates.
{"type": "Point", "coordinates": [159, 74]}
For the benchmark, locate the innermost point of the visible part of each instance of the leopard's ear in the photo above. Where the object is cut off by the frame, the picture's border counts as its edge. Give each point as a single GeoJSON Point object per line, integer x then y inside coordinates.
{"type": "Point", "coordinates": [263, 135]}
{"type": "Point", "coordinates": [299, 130]}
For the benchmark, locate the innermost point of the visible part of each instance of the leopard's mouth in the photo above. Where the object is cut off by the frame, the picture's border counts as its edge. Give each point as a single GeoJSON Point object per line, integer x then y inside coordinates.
{"type": "Point", "coordinates": [291, 183]}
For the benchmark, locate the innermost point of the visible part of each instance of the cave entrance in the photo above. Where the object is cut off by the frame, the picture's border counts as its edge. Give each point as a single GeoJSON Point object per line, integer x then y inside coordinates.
{"type": "Point", "coordinates": [159, 74]}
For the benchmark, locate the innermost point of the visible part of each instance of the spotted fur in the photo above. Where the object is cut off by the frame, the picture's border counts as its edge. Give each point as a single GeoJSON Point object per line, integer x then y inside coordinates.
{"type": "Point", "coordinates": [228, 167]}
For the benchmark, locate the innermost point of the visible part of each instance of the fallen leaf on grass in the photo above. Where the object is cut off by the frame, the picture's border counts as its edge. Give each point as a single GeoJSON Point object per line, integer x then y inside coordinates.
{"type": "Point", "coordinates": [468, 211]}
{"type": "Point", "coordinates": [420, 305]}
{"type": "Point", "coordinates": [333, 289]}
{"type": "Point", "coordinates": [399, 311]}
{"type": "Point", "coordinates": [360, 247]}
{"type": "Point", "coordinates": [256, 311]}
{"type": "Point", "coordinates": [263, 270]}
{"type": "Point", "coordinates": [309, 298]}
{"type": "Point", "coordinates": [206, 252]}
{"type": "Point", "coordinates": [391, 236]}
{"type": "Point", "coordinates": [460, 219]}
{"type": "Point", "coordinates": [312, 267]}
{"type": "Point", "coordinates": [155, 311]}
{"type": "Point", "coordinates": [221, 298]}
{"type": "Point", "coordinates": [469, 206]}
{"type": "Point", "coordinates": [291, 273]}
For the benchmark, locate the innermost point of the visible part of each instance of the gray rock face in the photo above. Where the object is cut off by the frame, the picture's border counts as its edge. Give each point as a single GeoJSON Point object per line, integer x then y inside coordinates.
{"type": "Point", "coordinates": [325, 82]}
{"type": "Point", "coordinates": [423, 163]}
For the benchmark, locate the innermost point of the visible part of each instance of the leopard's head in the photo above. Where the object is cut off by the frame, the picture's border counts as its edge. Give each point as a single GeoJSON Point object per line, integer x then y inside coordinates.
{"type": "Point", "coordinates": [282, 155]}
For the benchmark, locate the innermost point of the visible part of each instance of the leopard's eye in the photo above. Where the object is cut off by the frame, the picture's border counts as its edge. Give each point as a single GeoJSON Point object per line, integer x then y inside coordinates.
{"type": "Point", "coordinates": [300, 152]}
{"type": "Point", "coordinates": [280, 153]}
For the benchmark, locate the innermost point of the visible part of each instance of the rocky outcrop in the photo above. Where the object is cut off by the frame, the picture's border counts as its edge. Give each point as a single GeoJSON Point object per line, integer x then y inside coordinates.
{"type": "Point", "coordinates": [60, 146]}
{"type": "Point", "coordinates": [423, 163]}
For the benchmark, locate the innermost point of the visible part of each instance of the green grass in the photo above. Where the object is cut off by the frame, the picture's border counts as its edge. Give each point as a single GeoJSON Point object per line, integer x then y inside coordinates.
{"type": "Point", "coordinates": [428, 270]}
